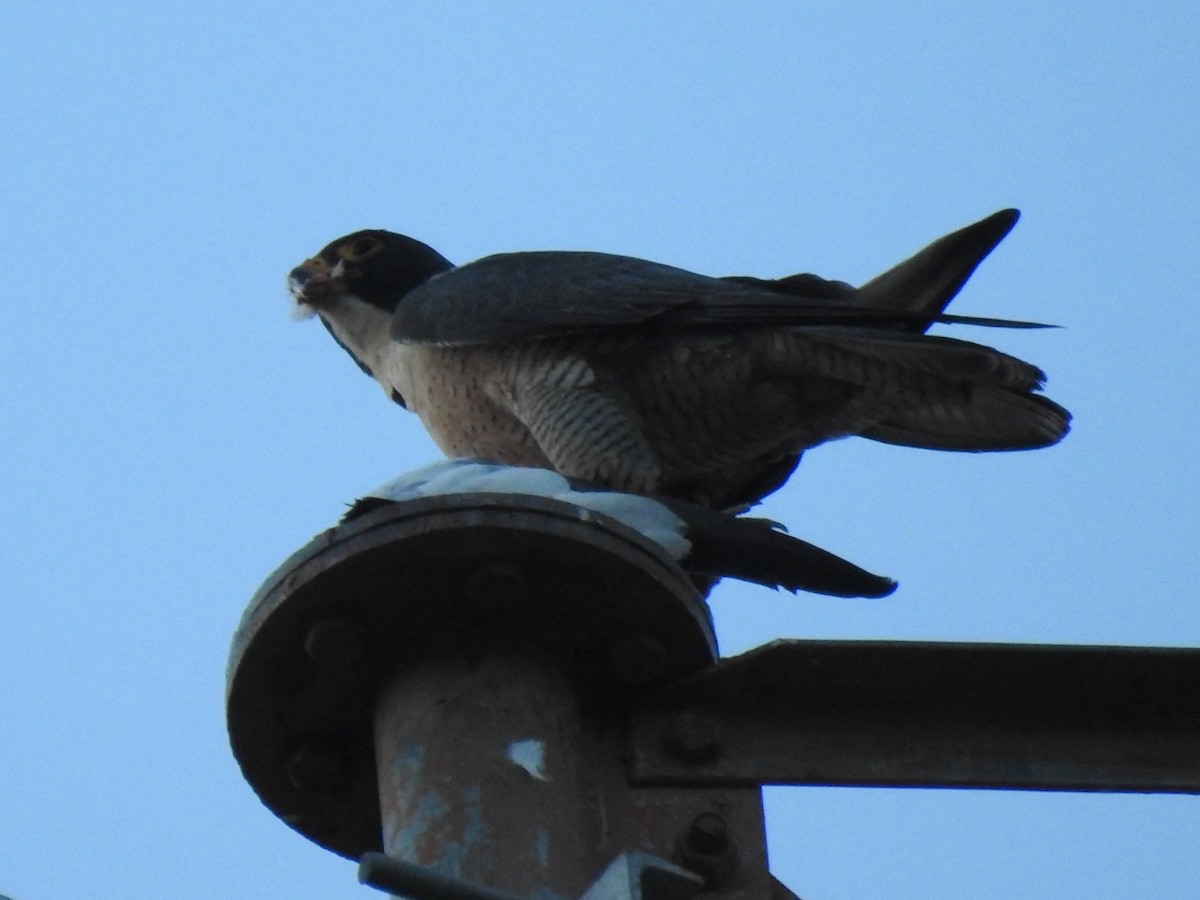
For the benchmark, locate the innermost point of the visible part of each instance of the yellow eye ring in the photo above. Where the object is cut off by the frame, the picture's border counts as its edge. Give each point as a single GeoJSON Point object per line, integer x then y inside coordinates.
{"type": "Point", "coordinates": [360, 248]}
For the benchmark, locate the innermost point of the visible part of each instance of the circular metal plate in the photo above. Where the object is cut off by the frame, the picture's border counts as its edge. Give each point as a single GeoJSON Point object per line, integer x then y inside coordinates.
{"type": "Point", "coordinates": [466, 574]}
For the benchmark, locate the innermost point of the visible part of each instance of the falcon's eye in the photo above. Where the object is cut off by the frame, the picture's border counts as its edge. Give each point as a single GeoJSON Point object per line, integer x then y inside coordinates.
{"type": "Point", "coordinates": [360, 248]}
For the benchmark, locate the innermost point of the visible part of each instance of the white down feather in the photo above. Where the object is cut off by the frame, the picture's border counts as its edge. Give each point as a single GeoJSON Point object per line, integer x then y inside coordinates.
{"type": "Point", "coordinates": [465, 476]}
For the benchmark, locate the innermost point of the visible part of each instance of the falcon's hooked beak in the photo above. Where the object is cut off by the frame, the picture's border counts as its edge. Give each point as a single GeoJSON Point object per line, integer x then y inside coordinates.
{"type": "Point", "coordinates": [313, 283]}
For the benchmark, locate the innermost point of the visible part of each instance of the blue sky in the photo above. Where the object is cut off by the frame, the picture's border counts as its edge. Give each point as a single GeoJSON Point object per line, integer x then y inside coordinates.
{"type": "Point", "coordinates": [170, 435]}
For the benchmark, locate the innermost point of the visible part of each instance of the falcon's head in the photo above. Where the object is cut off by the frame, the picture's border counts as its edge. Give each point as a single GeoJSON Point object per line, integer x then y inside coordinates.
{"type": "Point", "coordinates": [378, 267]}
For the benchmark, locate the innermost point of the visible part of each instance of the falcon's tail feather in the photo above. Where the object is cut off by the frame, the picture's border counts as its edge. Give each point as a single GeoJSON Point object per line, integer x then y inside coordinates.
{"type": "Point", "coordinates": [889, 361]}
{"type": "Point", "coordinates": [931, 392]}
{"type": "Point", "coordinates": [989, 419]}
{"type": "Point", "coordinates": [927, 281]}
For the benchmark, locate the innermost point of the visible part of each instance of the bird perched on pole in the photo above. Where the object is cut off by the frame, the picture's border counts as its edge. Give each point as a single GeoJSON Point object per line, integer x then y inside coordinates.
{"type": "Point", "coordinates": [705, 542]}
{"type": "Point", "coordinates": [652, 379]}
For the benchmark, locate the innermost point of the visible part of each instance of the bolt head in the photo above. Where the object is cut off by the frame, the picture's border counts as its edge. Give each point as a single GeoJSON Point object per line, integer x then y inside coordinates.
{"type": "Point", "coordinates": [693, 736]}
{"type": "Point", "coordinates": [707, 849]}
{"type": "Point", "coordinates": [708, 833]}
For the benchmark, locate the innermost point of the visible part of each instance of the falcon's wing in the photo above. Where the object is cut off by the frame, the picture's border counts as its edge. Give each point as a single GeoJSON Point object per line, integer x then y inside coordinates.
{"type": "Point", "coordinates": [514, 296]}
{"type": "Point", "coordinates": [520, 296]}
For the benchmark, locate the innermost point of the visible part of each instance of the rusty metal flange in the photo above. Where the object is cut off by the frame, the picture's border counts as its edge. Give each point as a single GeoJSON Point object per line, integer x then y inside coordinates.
{"type": "Point", "coordinates": [471, 573]}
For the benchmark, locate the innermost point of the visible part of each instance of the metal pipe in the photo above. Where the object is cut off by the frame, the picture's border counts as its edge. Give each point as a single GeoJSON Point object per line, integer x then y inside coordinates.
{"type": "Point", "coordinates": [487, 772]}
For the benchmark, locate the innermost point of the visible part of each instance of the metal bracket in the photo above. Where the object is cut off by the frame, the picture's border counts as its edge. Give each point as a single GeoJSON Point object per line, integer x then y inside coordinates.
{"type": "Point", "coordinates": [631, 876]}
{"type": "Point", "coordinates": [641, 876]}
{"type": "Point", "coordinates": [404, 879]}
{"type": "Point", "coordinates": [894, 713]}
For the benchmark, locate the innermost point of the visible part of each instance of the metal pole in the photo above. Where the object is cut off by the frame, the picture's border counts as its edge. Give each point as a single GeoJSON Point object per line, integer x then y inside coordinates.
{"type": "Point", "coordinates": [487, 770]}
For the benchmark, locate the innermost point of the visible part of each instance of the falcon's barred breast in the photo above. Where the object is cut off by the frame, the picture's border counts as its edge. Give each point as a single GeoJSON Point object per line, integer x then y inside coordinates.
{"type": "Point", "coordinates": [647, 378]}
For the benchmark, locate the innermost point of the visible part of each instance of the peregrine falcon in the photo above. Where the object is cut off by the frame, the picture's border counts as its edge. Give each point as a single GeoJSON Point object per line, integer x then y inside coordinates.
{"type": "Point", "coordinates": [648, 378]}
{"type": "Point", "coordinates": [704, 542]}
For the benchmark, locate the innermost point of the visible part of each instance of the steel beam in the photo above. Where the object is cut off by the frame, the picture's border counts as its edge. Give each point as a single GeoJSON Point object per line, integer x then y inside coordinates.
{"type": "Point", "coordinates": [875, 713]}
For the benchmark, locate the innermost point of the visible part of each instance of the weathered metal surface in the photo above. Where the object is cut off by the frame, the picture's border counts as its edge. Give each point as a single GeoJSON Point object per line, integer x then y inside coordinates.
{"type": "Point", "coordinates": [497, 770]}
{"type": "Point", "coordinates": [487, 771]}
{"type": "Point", "coordinates": [451, 579]}
{"type": "Point", "coordinates": [419, 882]}
{"type": "Point", "coordinates": [631, 876]}
{"type": "Point", "coordinates": [929, 714]}
{"type": "Point", "coordinates": [640, 876]}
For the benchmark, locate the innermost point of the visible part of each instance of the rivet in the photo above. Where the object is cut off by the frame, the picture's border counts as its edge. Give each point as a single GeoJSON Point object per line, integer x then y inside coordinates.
{"type": "Point", "coordinates": [693, 735]}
